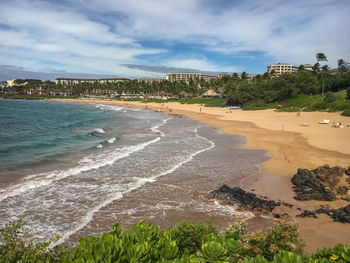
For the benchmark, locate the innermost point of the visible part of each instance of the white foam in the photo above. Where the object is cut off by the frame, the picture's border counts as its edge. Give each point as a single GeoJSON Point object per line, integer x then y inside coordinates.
{"type": "Point", "coordinates": [112, 140]}
{"type": "Point", "coordinates": [86, 164]}
{"type": "Point", "coordinates": [109, 107]}
{"type": "Point", "coordinates": [155, 128]}
{"type": "Point", "coordinates": [99, 130]}
{"type": "Point", "coordinates": [99, 146]}
{"type": "Point", "coordinates": [85, 220]}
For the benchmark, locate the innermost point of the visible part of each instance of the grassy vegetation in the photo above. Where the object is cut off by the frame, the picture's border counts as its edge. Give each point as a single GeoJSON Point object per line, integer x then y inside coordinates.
{"type": "Point", "coordinates": [303, 102]}
{"type": "Point", "coordinates": [184, 243]}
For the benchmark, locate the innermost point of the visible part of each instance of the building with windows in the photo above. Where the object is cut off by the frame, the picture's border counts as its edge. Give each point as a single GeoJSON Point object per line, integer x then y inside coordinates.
{"type": "Point", "coordinates": [188, 76]}
{"type": "Point", "coordinates": [150, 79]}
{"type": "Point", "coordinates": [281, 69]}
{"type": "Point", "coordinates": [74, 81]}
{"type": "Point", "coordinates": [307, 67]}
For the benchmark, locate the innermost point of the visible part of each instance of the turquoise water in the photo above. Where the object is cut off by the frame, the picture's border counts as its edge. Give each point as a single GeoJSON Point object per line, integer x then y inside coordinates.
{"type": "Point", "coordinates": [73, 169]}
{"type": "Point", "coordinates": [33, 132]}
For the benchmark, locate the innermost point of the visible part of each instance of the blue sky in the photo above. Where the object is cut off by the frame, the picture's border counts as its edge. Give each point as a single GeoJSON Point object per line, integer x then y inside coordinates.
{"type": "Point", "coordinates": [137, 38]}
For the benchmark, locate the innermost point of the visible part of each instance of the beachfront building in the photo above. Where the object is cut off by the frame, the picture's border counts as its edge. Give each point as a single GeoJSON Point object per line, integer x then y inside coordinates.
{"type": "Point", "coordinates": [188, 76]}
{"type": "Point", "coordinates": [151, 79]}
{"type": "Point", "coordinates": [210, 94]}
{"type": "Point", "coordinates": [223, 74]}
{"type": "Point", "coordinates": [281, 69]}
{"type": "Point", "coordinates": [307, 67]}
{"type": "Point", "coordinates": [74, 81]}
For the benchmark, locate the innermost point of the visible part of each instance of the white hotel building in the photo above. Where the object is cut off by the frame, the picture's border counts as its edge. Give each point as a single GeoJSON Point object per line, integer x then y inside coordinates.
{"type": "Point", "coordinates": [74, 81]}
{"type": "Point", "coordinates": [188, 76]}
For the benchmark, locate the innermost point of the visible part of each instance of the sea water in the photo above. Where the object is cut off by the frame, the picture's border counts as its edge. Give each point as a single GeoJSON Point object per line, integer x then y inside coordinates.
{"type": "Point", "coordinates": [73, 169]}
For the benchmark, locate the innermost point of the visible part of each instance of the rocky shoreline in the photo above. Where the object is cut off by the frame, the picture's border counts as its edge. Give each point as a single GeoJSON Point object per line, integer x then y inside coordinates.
{"type": "Point", "coordinates": [323, 184]}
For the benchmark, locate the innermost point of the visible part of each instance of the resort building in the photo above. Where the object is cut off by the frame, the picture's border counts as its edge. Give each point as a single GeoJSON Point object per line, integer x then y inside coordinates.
{"type": "Point", "coordinates": [188, 76]}
{"type": "Point", "coordinates": [223, 74]}
{"type": "Point", "coordinates": [281, 69]}
{"type": "Point", "coordinates": [150, 79]}
{"type": "Point", "coordinates": [74, 81]}
{"type": "Point", "coordinates": [307, 67]}
{"type": "Point", "coordinates": [210, 94]}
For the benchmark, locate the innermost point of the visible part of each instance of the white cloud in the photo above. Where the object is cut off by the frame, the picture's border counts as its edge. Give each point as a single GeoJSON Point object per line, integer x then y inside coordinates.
{"type": "Point", "coordinates": [291, 31]}
{"type": "Point", "coordinates": [38, 32]}
{"type": "Point", "coordinates": [49, 35]}
{"type": "Point", "coordinates": [199, 64]}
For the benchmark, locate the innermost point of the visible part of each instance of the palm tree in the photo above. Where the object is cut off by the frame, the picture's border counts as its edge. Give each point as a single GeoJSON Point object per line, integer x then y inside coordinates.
{"type": "Point", "coordinates": [321, 57]}
{"type": "Point", "coordinates": [316, 68]}
{"type": "Point", "coordinates": [244, 75]}
{"type": "Point", "coordinates": [342, 65]}
{"type": "Point", "coordinates": [325, 71]}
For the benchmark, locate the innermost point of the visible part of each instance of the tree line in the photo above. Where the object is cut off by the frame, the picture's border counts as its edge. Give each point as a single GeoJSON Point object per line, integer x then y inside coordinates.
{"type": "Point", "coordinates": [238, 89]}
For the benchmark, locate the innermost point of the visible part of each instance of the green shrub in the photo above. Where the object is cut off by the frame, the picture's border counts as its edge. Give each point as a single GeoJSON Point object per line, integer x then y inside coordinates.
{"type": "Point", "coordinates": [318, 106]}
{"type": "Point", "coordinates": [329, 97]}
{"type": "Point", "coordinates": [346, 113]}
{"type": "Point", "coordinates": [184, 243]}
{"type": "Point", "coordinates": [348, 93]}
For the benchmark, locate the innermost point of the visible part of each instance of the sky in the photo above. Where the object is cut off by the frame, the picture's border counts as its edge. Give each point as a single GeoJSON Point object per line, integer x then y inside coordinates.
{"type": "Point", "coordinates": [144, 38]}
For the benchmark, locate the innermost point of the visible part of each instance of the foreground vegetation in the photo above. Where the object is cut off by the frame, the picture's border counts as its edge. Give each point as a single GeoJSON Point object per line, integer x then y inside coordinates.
{"type": "Point", "coordinates": [186, 242]}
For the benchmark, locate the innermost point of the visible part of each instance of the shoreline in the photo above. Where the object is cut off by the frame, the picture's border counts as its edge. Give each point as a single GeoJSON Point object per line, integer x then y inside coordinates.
{"type": "Point", "coordinates": [290, 146]}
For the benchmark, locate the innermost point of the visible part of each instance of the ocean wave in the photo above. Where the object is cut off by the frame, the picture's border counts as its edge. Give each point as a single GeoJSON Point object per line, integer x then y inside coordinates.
{"type": "Point", "coordinates": [138, 182]}
{"type": "Point", "coordinates": [88, 163]}
{"type": "Point", "coordinates": [155, 128]}
{"type": "Point", "coordinates": [99, 130]}
{"type": "Point", "coordinates": [108, 107]}
{"type": "Point", "coordinates": [87, 218]}
{"type": "Point", "coordinates": [99, 146]}
{"type": "Point", "coordinates": [112, 140]}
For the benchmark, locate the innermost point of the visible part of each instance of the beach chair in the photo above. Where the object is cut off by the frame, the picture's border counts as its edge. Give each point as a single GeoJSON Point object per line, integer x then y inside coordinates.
{"type": "Point", "coordinates": [324, 121]}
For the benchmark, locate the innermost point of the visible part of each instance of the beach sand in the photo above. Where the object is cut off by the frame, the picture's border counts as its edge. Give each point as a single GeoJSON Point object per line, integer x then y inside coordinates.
{"type": "Point", "coordinates": [292, 142]}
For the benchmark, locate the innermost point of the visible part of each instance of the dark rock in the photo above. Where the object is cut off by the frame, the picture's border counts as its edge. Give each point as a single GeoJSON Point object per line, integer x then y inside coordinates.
{"type": "Point", "coordinates": [285, 215]}
{"type": "Point", "coordinates": [342, 190]}
{"type": "Point", "coordinates": [346, 198]}
{"type": "Point", "coordinates": [307, 213]}
{"type": "Point", "coordinates": [339, 215]}
{"type": "Point", "coordinates": [237, 196]}
{"type": "Point", "coordinates": [317, 184]}
{"type": "Point", "coordinates": [347, 171]}
{"type": "Point", "coordinates": [299, 208]}
{"type": "Point", "coordinates": [287, 205]}
{"type": "Point", "coordinates": [348, 179]}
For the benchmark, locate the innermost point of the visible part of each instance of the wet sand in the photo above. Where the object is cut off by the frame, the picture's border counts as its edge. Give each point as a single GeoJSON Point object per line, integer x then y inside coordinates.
{"type": "Point", "coordinates": [292, 142]}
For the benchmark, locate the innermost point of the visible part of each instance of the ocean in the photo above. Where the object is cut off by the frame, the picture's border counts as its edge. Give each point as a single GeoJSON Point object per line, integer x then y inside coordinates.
{"type": "Point", "coordinates": [74, 169]}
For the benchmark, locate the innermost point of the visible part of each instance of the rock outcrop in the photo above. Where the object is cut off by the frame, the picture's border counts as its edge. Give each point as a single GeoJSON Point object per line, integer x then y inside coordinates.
{"type": "Point", "coordinates": [339, 215]}
{"type": "Point", "coordinates": [241, 198]}
{"type": "Point", "coordinates": [307, 213]}
{"type": "Point", "coordinates": [320, 183]}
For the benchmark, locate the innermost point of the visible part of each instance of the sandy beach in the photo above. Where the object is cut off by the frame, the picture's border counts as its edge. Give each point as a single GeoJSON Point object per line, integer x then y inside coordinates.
{"type": "Point", "coordinates": [292, 142]}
